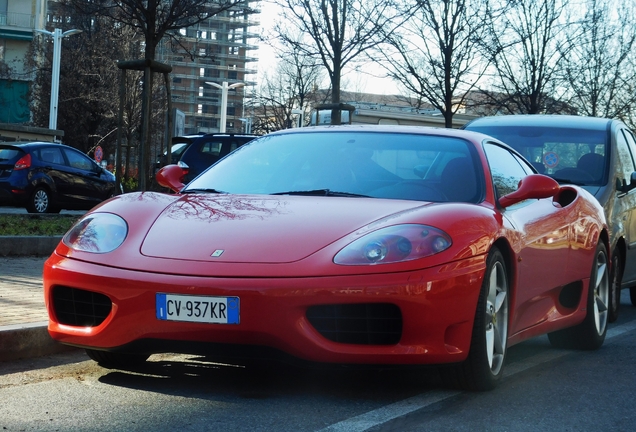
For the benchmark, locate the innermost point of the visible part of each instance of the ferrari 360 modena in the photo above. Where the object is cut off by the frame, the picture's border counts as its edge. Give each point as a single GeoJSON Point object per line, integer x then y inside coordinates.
{"type": "Point", "coordinates": [354, 245]}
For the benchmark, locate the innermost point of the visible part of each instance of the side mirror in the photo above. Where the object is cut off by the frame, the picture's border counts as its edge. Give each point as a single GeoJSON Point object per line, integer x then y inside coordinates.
{"type": "Point", "coordinates": [534, 186]}
{"type": "Point", "coordinates": [171, 176]}
{"type": "Point", "coordinates": [623, 187]}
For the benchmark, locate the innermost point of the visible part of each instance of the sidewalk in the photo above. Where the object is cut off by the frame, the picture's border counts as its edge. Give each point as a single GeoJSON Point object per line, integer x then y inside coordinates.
{"type": "Point", "coordinates": [23, 316]}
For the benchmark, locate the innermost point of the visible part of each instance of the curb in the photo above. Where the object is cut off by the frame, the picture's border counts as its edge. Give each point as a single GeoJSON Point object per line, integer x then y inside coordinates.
{"type": "Point", "coordinates": [22, 341]}
{"type": "Point", "coordinates": [28, 245]}
{"type": "Point", "coordinates": [28, 340]}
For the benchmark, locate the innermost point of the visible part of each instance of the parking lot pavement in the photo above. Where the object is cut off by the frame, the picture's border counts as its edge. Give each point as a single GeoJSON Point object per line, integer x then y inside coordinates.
{"type": "Point", "coordinates": [23, 316]}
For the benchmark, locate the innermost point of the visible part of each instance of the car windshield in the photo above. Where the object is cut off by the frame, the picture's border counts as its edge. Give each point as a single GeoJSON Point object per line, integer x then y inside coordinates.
{"type": "Point", "coordinates": [351, 164]}
{"type": "Point", "coordinates": [569, 155]}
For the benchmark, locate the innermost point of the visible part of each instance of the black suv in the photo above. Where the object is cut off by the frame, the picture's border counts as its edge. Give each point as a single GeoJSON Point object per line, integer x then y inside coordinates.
{"type": "Point", "coordinates": [207, 149]}
{"type": "Point", "coordinates": [46, 177]}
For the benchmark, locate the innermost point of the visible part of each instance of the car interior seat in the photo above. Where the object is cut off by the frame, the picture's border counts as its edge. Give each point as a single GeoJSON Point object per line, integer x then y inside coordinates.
{"type": "Point", "coordinates": [458, 180]}
{"type": "Point", "coordinates": [592, 163]}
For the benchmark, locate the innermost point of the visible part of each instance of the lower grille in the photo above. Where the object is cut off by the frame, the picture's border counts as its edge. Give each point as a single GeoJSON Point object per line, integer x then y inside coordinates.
{"type": "Point", "coordinates": [361, 324]}
{"type": "Point", "coordinates": [78, 307]}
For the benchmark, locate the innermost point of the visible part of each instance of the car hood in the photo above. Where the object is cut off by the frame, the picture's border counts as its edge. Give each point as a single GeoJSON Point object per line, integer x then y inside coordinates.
{"type": "Point", "coordinates": [594, 190]}
{"type": "Point", "coordinates": [261, 229]}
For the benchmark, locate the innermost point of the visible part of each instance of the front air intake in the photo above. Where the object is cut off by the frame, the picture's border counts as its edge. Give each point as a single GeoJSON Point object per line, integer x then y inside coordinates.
{"type": "Point", "coordinates": [361, 324]}
{"type": "Point", "coordinates": [78, 307]}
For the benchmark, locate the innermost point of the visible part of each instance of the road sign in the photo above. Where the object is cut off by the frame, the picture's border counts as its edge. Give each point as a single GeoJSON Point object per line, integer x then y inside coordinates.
{"type": "Point", "coordinates": [99, 154]}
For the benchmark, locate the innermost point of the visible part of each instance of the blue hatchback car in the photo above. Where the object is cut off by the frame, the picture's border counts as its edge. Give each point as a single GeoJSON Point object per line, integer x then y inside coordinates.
{"type": "Point", "coordinates": [46, 177]}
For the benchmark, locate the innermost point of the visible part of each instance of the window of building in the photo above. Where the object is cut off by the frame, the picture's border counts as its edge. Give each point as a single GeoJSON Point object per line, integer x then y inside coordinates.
{"type": "Point", "coordinates": [200, 91]}
{"type": "Point", "coordinates": [200, 109]}
{"type": "Point", "coordinates": [202, 72]}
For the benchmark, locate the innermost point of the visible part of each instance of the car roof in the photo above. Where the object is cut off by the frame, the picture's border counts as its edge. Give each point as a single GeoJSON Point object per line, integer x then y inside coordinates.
{"type": "Point", "coordinates": [542, 120]}
{"type": "Point", "coordinates": [26, 145]}
{"type": "Point", "coordinates": [395, 129]}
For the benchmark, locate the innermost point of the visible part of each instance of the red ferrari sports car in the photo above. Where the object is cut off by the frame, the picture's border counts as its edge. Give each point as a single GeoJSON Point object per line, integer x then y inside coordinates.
{"type": "Point", "coordinates": [341, 245]}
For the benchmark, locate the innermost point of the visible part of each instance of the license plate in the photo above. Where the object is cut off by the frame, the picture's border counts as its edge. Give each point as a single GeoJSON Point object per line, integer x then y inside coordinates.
{"type": "Point", "coordinates": [200, 309]}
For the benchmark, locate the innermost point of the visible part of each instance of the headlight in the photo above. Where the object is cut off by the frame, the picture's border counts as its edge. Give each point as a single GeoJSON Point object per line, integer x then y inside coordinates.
{"type": "Point", "coordinates": [394, 244]}
{"type": "Point", "coordinates": [97, 233]}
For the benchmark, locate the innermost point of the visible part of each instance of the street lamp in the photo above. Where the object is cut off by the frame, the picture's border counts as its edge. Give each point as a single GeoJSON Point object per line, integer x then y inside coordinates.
{"type": "Point", "coordinates": [224, 89]}
{"type": "Point", "coordinates": [301, 119]}
{"type": "Point", "coordinates": [57, 36]}
{"type": "Point", "coordinates": [248, 124]}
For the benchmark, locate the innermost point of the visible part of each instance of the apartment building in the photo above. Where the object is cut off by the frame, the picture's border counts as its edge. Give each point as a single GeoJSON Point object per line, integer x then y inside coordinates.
{"type": "Point", "coordinates": [219, 49]}
{"type": "Point", "coordinates": [18, 21]}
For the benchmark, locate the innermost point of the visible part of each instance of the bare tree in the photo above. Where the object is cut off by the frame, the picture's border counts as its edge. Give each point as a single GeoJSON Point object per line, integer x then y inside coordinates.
{"type": "Point", "coordinates": [336, 32]}
{"type": "Point", "coordinates": [436, 54]}
{"type": "Point", "coordinates": [289, 89]}
{"type": "Point", "coordinates": [154, 20]}
{"type": "Point", "coordinates": [597, 70]}
{"type": "Point", "coordinates": [526, 49]}
{"type": "Point", "coordinates": [88, 99]}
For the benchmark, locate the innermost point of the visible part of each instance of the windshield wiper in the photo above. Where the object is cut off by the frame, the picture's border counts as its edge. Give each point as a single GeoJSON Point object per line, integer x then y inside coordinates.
{"type": "Point", "coordinates": [204, 190]}
{"type": "Point", "coordinates": [321, 192]}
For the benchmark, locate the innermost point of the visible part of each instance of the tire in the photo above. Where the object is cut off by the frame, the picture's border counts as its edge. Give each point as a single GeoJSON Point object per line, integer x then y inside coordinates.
{"type": "Point", "coordinates": [483, 368]}
{"type": "Point", "coordinates": [616, 278]}
{"type": "Point", "coordinates": [40, 201]}
{"type": "Point", "coordinates": [590, 334]}
{"type": "Point", "coordinates": [115, 359]}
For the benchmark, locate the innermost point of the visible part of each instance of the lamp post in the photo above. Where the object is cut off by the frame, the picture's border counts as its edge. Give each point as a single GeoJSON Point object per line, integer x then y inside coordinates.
{"type": "Point", "coordinates": [248, 124]}
{"type": "Point", "coordinates": [301, 119]}
{"type": "Point", "coordinates": [57, 36]}
{"type": "Point", "coordinates": [224, 89]}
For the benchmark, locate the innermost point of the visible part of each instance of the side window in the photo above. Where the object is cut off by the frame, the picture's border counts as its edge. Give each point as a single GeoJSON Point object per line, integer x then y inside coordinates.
{"type": "Point", "coordinates": [211, 148]}
{"type": "Point", "coordinates": [524, 165]}
{"type": "Point", "coordinates": [78, 160]}
{"type": "Point", "coordinates": [505, 169]}
{"type": "Point", "coordinates": [625, 161]}
{"type": "Point", "coordinates": [51, 155]}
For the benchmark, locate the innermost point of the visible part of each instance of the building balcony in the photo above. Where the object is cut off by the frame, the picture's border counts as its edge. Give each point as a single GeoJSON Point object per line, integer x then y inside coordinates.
{"type": "Point", "coordinates": [17, 26]}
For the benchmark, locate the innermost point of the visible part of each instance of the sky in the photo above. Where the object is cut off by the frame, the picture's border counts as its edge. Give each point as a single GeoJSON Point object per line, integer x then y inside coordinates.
{"type": "Point", "coordinates": [352, 81]}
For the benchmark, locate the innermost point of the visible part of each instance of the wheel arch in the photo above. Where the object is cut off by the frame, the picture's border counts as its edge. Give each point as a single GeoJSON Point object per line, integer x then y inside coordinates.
{"type": "Point", "coordinates": [45, 182]}
{"type": "Point", "coordinates": [509, 260]}
{"type": "Point", "coordinates": [605, 238]}
{"type": "Point", "coordinates": [621, 246]}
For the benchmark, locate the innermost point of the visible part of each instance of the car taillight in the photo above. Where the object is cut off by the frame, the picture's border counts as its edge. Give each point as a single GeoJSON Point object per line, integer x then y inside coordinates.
{"type": "Point", "coordinates": [23, 163]}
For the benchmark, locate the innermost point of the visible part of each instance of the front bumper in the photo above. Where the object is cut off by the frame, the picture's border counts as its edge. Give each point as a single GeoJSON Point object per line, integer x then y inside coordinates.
{"type": "Point", "coordinates": [437, 308]}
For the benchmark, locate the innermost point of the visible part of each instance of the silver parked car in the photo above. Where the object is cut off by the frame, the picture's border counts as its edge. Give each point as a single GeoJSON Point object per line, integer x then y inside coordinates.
{"type": "Point", "coordinates": [596, 153]}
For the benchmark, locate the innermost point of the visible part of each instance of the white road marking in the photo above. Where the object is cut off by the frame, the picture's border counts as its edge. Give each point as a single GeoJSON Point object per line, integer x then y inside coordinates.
{"type": "Point", "coordinates": [389, 412]}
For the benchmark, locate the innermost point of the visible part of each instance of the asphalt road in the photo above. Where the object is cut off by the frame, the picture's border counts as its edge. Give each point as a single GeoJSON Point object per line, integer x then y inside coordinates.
{"type": "Point", "coordinates": [544, 389]}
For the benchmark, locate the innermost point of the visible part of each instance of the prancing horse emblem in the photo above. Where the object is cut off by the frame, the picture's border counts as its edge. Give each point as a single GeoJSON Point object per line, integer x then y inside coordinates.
{"type": "Point", "coordinates": [217, 253]}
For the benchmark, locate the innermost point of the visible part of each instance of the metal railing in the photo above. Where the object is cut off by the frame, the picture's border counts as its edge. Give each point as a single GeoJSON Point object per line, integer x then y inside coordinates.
{"type": "Point", "coordinates": [13, 19]}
